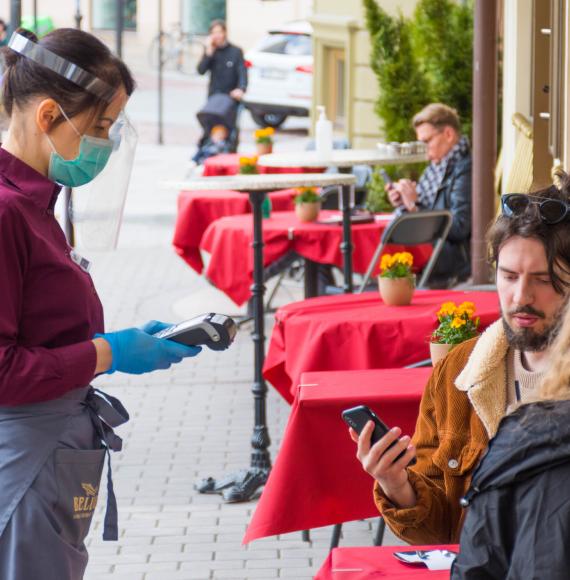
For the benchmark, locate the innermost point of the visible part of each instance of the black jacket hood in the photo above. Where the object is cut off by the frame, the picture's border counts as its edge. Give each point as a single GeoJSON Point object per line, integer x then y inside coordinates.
{"type": "Point", "coordinates": [532, 439]}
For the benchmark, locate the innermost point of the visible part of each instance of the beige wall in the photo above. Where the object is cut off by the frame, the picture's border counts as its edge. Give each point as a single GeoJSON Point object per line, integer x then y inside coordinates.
{"type": "Point", "coordinates": [354, 9]}
{"type": "Point", "coordinates": [566, 156]}
{"type": "Point", "coordinates": [340, 23]}
{"type": "Point", "coordinates": [517, 74]}
{"type": "Point", "coordinates": [248, 20]}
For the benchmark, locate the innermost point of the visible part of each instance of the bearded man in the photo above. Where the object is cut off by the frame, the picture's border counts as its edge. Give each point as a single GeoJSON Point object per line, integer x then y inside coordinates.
{"type": "Point", "coordinates": [481, 380]}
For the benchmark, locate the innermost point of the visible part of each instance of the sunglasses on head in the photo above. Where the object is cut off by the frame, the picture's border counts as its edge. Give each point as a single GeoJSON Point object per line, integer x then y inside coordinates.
{"type": "Point", "coordinates": [551, 211]}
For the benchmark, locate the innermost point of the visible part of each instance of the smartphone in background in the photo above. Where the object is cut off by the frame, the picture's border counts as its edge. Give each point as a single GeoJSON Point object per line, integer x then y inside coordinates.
{"type": "Point", "coordinates": [387, 179]}
{"type": "Point", "coordinates": [357, 417]}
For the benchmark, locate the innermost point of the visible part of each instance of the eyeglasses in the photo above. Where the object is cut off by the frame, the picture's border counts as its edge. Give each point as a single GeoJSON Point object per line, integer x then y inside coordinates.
{"type": "Point", "coordinates": [428, 140]}
{"type": "Point", "coordinates": [551, 211]}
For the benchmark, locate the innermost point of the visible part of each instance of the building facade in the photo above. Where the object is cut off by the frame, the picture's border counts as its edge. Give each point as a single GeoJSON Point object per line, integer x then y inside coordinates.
{"type": "Point", "coordinates": [536, 75]}
{"type": "Point", "coordinates": [141, 18]}
{"type": "Point", "coordinates": [343, 80]}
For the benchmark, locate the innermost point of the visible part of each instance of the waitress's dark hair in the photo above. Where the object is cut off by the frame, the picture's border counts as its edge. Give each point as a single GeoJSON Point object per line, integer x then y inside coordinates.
{"type": "Point", "coordinates": [24, 79]}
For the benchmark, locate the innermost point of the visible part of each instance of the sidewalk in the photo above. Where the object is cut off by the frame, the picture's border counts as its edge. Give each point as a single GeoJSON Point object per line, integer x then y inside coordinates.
{"type": "Point", "coordinates": [187, 423]}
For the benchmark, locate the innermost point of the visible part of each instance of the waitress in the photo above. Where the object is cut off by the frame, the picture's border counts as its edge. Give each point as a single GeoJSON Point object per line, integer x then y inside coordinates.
{"type": "Point", "coordinates": [65, 96]}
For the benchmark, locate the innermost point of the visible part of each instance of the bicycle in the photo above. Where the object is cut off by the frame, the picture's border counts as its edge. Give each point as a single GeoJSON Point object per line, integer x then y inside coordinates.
{"type": "Point", "coordinates": [181, 50]}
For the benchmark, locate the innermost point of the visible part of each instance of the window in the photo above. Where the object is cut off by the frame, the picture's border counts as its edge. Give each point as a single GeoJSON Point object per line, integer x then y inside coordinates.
{"type": "Point", "coordinates": [335, 82]}
{"type": "Point", "coordinates": [290, 44]}
{"type": "Point", "coordinates": [557, 81]}
{"type": "Point", "coordinates": [197, 14]}
{"type": "Point", "coordinates": [105, 14]}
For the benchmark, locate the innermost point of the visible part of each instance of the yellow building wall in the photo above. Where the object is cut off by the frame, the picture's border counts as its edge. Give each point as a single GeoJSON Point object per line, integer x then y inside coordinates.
{"type": "Point", "coordinates": [340, 23]}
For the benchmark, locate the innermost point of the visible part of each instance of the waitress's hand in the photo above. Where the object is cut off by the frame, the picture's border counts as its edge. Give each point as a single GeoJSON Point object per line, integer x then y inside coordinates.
{"type": "Point", "coordinates": [155, 326]}
{"type": "Point", "coordinates": [134, 351]}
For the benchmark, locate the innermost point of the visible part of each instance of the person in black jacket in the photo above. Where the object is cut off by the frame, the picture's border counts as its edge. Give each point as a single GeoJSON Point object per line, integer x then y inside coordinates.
{"type": "Point", "coordinates": [518, 523]}
{"type": "Point", "coordinates": [225, 62]}
{"type": "Point", "coordinates": [445, 184]}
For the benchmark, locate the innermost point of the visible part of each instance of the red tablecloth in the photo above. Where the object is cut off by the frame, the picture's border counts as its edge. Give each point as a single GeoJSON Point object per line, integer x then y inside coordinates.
{"type": "Point", "coordinates": [358, 331]}
{"type": "Point", "coordinates": [198, 209]}
{"type": "Point", "coordinates": [231, 263]}
{"type": "Point", "coordinates": [366, 563]}
{"type": "Point", "coordinates": [228, 164]}
{"type": "Point", "coordinates": [317, 480]}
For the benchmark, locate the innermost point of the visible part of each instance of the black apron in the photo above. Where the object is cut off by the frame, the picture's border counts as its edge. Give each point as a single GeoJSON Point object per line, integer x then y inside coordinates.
{"type": "Point", "coordinates": [51, 460]}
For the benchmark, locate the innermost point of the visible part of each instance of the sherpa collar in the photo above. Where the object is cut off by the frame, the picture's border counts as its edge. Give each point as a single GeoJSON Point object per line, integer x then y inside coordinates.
{"type": "Point", "coordinates": [484, 377]}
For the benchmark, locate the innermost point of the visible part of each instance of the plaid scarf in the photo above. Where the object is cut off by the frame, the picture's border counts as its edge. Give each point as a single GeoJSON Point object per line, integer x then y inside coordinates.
{"type": "Point", "coordinates": [433, 176]}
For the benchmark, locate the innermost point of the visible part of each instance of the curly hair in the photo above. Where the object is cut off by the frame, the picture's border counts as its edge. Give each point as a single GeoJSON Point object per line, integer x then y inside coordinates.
{"type": "Point", "coordinates": [554, 237]}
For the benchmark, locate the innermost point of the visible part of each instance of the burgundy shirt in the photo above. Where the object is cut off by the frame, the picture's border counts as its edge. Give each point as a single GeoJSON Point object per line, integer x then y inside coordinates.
{"type": "Point", "coordinates": [49, 309]}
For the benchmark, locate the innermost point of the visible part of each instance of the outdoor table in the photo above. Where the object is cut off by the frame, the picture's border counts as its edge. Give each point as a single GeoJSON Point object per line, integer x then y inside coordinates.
{"type": "Point", "coordinates": [258, 187]}
{"type": "Point", "coordinates": [368, 562]}
{"type": "Point", "coordinates": [228, 164]}
{"type": "Point", "coordinates": [316, 474]}
{"type": "Point", "coordinates": [358, 331]}
{"type": "Point", "coordinates": [316, 242]}
{"type": "Point", "coordinates": [344, 160]}
{"type": "Point", "coordinates": [198, 209]}
{"type": "Point", "coordinates": [341, 158]}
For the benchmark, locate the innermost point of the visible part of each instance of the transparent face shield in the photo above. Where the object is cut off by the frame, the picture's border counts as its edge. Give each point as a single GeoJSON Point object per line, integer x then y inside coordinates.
{"type": "Point", "coordinates": [96, 208]}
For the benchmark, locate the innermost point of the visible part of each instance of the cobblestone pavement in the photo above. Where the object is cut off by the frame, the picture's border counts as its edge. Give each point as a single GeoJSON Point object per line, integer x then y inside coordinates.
{"type": "Point", "coordinates": [186, 423]}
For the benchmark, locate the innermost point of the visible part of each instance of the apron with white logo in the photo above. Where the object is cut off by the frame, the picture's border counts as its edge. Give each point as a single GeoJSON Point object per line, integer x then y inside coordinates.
{"type": "Point", "coordinates": [51, 460]}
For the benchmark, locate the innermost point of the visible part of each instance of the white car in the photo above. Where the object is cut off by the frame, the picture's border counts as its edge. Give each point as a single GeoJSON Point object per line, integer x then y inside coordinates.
{"type": "Point", "coordinates": [280, 73]}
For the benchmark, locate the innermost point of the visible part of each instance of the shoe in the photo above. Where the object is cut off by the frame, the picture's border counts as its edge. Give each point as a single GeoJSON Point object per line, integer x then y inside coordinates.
{"type": "Point", "coordinates": [244, 490]}
{"type": "Point", "coordinates": [212, 485]}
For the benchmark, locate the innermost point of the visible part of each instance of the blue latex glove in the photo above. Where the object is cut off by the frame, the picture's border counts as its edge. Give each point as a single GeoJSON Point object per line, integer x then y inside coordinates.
{"type": "Point", "coordinates": [154, 326]}
{"type": "Point", "coordinates": [136, 352]}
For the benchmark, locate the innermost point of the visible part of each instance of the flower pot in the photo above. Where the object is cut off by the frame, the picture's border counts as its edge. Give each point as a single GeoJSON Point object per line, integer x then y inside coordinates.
{"type": "Point", "coordinates": [308, 212]}
{"type": "Point", "coordinates": [438, 351]}
{"type": "Point", "coordinates": [397, 291]}
{"type": "Point", "coordinates": [264, 148]}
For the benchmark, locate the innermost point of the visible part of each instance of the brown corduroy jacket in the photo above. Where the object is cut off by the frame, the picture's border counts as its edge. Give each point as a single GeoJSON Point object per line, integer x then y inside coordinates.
{"type": "Point", "coordinates": [463, 403]}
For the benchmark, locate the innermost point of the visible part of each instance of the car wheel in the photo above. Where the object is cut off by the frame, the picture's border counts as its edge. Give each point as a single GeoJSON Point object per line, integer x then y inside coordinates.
{"type": "Point", "coordinates": [274, 120]}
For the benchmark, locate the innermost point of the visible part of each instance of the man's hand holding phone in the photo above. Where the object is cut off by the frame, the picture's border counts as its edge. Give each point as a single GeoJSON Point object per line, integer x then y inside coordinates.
{"type": "Point", "coordinates": [381, 461]}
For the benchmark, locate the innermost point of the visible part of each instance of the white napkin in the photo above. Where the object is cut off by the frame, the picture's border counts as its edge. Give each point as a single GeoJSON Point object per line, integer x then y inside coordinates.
{"type": "Point", "coordinates": [433, 559]}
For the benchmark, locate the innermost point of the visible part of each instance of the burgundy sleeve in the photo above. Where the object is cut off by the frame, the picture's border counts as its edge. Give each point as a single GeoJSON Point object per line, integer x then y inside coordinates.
{"type": "Point", "coordinates": [29, 375]}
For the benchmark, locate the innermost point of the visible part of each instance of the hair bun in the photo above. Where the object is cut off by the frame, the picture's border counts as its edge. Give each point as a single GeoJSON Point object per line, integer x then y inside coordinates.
{"type": "Point", "coordinates": [11, 57]}
{"type": "Point", "coordinates": [28, 34]}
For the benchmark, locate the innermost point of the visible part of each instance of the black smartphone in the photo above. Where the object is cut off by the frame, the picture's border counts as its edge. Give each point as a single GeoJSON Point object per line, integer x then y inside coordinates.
{"type": "Point", "coordinates": [387, 179]}
{"type": "Point", "coordinates": [357, 417]}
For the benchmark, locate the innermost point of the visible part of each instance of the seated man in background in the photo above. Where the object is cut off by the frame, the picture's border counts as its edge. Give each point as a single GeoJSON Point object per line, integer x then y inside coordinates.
{"type": "Point", "coordinates": [445, 184]}
{"type": "Point", "coordinates": [481, 380]}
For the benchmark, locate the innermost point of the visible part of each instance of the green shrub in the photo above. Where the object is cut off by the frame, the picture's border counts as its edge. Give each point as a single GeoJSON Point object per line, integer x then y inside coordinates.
{"type": "Point", "coordinates": [443, 44]}
{"type": "Point", "coordinates": [417, 61]}
{"type": "Point", "coordinates": [403, 87]}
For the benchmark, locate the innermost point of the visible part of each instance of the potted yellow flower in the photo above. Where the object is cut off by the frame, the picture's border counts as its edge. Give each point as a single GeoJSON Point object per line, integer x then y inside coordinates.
{"type": "Point", "coordinates": [264, 140]}
{"type": "Point", "coordinates": [396, 281]}
{"type": "Point", "coordinates": [248, 165]}
{"type": "Point", "coordinates": [456, 325]}
{"type": "Point", "coordinates": [307, 204]}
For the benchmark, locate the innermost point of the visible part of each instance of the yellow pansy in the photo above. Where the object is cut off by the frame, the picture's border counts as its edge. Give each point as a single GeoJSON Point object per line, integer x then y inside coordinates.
{"type": "Point", "coordinates": [466, 308]}
{"type": "Point", "coordinates": [405, 258]}
{"type": "Point", "coordinates": [458, 322]}
{"type": "Point", "coordinates": [447, 309]}
{"type": "Point", "coordinates": [386, 262]}
{"type": "Point", "coordinates": [263, 133]}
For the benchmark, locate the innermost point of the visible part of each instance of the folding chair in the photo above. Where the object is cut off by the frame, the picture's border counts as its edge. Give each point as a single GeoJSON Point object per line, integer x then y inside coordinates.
{"type": "Point", "coordinates": [410, 229]}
